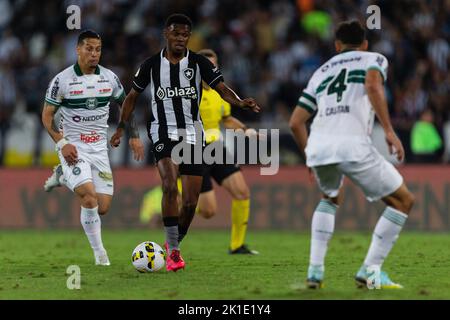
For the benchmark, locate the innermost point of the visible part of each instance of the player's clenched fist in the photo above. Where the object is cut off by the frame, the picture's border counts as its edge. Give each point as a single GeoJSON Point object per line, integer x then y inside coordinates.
{"type": "Point", "coordinates": [115, 139]}
{"type": "Point", "coordinates": [70, 154]}
{"type": "Point", "coordinates": [250, 103]}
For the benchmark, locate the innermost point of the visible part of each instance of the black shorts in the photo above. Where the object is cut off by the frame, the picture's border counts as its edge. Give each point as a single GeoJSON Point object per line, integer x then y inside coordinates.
{"type": "Point", "coordinates": [163, 149]}
{"type": "Point", "coordinates": [219, 172]}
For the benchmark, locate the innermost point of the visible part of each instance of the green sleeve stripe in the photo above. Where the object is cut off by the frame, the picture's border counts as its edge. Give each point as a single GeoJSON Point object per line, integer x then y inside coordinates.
{"type": "Point", "coordinates": [357, 73]}
{"type": "Point", "coordinates": [356, 80]}
{"type": "Point", "coordinates": [52, 102]}
{"type": "Point", "coordinates": [309, 97]}
{"type": "Point", "coordinates": [308, 103]}
{"type": "Point", "coordinates": [379, 69]}
{"type": "Point", "coordinates": [305, 106]}
{"type": "Point", "coordinates": [121, 97]}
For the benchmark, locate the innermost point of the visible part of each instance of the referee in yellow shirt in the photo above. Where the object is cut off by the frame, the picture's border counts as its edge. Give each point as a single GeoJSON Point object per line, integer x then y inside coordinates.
{"type": "Point", "coordinates": [213, 111]}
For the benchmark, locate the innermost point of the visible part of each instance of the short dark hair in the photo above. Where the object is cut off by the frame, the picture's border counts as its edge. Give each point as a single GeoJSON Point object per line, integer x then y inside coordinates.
{"type": "Point", "coordinates": [178, 18]}
{"type": "Point", "coordinates": [351, 32]}
{"type": "Point", "coordinates": [87, 34]}
{"type": "Point", "coordinates": [209, 53]}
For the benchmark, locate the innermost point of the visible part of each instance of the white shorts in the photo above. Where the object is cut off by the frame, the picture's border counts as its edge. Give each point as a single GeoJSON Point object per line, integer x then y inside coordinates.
{"type": "Point", "coordinates": [376, 176]}
{"type": "Point", "coordinates": [91, 167]}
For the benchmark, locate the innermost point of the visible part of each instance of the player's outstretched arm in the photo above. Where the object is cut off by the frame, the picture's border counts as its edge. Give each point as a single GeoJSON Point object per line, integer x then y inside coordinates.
{"type": "Point", "coordinates": [69, 151]}
{"type": "Point", "coordinates": [125, 116]}
{"type": "Point", "coordinates": [375, 91]}
{"type": "Point", "coordinates": [136, 145]}
{"type": "Point", "coordinates": [297, 123]}
{"type": "Point", "coordinates": [232, 98]}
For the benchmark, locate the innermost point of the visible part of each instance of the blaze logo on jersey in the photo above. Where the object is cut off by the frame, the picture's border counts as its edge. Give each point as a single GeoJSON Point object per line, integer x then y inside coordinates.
{"type": "Point", "coordinates": [90, 138]}
{"type": "Point", "coordinates": [186, 92]}
{"type": "Point", "coordinates": [91, 103]}
{"type": "Point", "coordinates": [188, 73]}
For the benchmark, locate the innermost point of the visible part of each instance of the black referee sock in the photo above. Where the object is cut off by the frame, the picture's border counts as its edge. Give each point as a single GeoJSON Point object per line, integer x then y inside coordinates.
{"type": "Point", "coordinates": [181, 233]}
{"type": "Point", "coordinates": [171, 228]}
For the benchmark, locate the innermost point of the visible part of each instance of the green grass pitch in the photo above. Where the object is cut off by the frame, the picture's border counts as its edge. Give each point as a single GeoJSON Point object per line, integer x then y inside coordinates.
{"type": "Point", "coordinates": [33, 266]}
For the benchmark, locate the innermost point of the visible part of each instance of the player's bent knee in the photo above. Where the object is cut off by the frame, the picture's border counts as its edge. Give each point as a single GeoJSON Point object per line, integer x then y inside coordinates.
{"type": "Point", "coordinates": [240, 193]}
{"type": "Point", "coordinates": [170, 190]}
{"type": "Point", "coordinates": [245, 195]}
{"type": "Point", "coordinates": [103, 210]}
{"type": "Point", "coordinates": [89, 201]}
{"type": "Point", "coordinates": [189, 206]}
{"type": "Point", "coordinates": [408, 202]}
{"type": "Point", "coordinates": [207, 214]}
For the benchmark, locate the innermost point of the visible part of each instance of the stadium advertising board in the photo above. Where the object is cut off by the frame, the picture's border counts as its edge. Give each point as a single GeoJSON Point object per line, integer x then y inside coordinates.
{"type": "Point", "coordinates": [283, 201]}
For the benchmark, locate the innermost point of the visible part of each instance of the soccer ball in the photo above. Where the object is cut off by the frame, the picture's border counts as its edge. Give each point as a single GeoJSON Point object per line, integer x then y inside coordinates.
{"type": "Point", "coordinates": [148, 256]}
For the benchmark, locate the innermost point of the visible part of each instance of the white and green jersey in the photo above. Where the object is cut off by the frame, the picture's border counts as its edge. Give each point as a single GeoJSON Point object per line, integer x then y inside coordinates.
{"type": "Point", "coordinates": [343, 123]}
{"type": "Point", "coordinates": [83, 102]}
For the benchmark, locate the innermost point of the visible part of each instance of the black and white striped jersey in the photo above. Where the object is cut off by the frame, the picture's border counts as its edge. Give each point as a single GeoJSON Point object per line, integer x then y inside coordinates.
{"type": "Point", "coordinates": [175, 91]}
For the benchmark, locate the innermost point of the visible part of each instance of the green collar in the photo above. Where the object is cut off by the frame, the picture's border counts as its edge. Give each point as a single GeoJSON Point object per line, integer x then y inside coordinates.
{"type": "Point", "coordinates": [78, 71]}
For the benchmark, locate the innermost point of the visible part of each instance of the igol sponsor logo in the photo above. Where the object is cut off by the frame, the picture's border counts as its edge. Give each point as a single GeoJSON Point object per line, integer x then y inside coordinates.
{"type": "Point", "coordinates": [90, 137]}
{"type": "Point", "coordinates": [78, 118]}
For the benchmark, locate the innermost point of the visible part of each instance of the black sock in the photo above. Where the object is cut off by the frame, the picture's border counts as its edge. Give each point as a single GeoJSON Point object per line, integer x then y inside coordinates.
{"type": "Point", "coordinates": [181, 233]}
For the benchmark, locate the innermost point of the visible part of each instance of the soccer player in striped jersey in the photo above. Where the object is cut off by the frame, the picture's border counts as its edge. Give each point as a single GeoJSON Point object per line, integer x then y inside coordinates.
{"type": "Point", "coordinates": [214, 110]}
{"type": "Point", "coordinates": [81, 93]}
{"type": "Point", "coordinates": [174, 76]}
{"type": "Point", "coordinates": [344, 94]}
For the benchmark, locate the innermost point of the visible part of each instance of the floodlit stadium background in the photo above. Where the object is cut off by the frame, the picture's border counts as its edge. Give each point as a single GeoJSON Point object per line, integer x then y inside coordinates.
{"type": "Point", "coordinates": [267, 50]}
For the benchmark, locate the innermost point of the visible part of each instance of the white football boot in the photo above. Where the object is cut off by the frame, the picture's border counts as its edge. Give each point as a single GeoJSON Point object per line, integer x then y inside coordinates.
{"type": "Point", "coordinates": [53, 180]}
{"type": "Point", "coordinates": [101, 258]}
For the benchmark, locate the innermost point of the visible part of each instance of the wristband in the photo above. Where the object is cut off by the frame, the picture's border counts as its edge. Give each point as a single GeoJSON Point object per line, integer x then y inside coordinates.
{"type": "Point", "coordinates": [60, 144]}
{"type": "Point", "coordinates": [121, 125]}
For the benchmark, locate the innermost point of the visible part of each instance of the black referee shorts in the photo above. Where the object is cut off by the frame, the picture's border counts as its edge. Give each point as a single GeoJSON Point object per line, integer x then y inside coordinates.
{"type": "Point", "coordinates": [163, 149]}
{"type": "Point", "coordinates": [217, 171]}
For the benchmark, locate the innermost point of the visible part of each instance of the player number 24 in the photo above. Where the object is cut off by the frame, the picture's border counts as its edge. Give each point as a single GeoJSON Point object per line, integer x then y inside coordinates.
{"type": "Point", "coordinates": [338, 85]}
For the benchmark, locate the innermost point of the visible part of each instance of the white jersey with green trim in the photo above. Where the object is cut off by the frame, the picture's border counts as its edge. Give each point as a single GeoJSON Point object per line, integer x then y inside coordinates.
{"type": "Point", "coordinates": [83, 102]}
{"type": "Point", "coordinates": [344, 118]}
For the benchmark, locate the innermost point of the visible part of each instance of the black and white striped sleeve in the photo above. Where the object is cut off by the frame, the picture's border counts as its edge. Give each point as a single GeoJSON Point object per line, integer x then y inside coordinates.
{"type": "Point", "coordinates": [210, 74]}
{"type": "Point", "coordinates": [142, 76]}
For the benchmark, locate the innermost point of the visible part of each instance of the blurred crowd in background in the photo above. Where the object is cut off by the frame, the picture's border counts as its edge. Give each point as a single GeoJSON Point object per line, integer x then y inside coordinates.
{"type": "Point", "coordinates": [267, 50]}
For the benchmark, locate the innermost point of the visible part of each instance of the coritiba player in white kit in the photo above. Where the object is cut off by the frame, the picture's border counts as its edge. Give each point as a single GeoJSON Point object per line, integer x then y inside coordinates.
{"type": "Point", "coordinates": [81, 93]}
{"type": "Point", "coordinates": [344, 94]}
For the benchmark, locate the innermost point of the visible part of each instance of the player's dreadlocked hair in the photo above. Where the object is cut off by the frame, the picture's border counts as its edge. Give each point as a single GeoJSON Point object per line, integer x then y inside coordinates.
{"type": "Point", "coordinates": [351, 33]}
{"type": "Point", "coordinates": [178, 18]}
